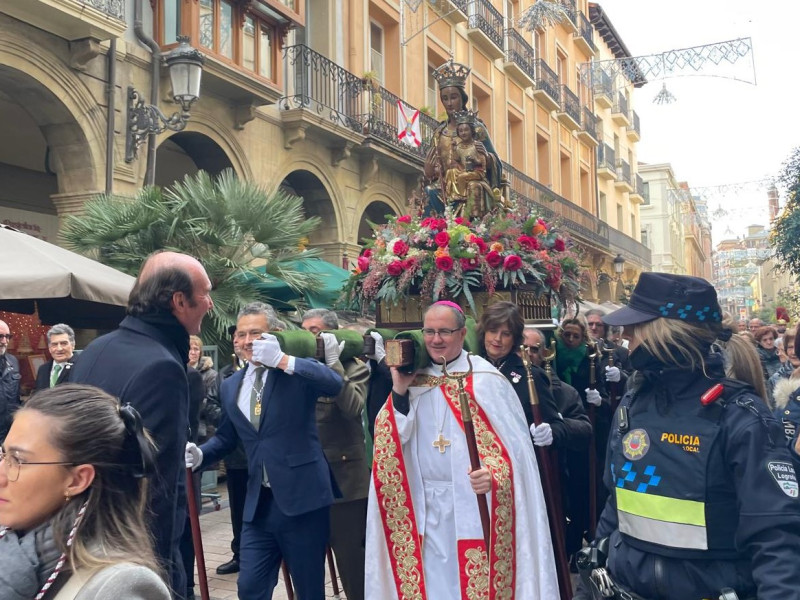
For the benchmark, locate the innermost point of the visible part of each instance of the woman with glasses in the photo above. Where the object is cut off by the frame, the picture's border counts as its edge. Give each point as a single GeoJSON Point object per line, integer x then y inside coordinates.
{"type": "Point", "coordinates": [72, 501]}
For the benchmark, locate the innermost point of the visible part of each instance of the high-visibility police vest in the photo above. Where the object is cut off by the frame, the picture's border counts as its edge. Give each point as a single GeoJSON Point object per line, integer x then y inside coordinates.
{"type": "Point", "coordinates": [674, 493]}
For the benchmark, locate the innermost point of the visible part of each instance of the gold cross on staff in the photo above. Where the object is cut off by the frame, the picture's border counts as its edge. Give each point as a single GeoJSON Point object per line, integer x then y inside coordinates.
{"type": "Point", "coordinates": [441, 443]}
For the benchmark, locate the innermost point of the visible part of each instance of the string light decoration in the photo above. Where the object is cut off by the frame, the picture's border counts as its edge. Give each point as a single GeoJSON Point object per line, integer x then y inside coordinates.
{"type": "Point", "coordinates": [664, 96]}
{"type": "Point", "coordinates": [541, 14]}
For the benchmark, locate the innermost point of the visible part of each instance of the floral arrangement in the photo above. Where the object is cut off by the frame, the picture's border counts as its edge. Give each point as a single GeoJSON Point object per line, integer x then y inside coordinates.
{"type": "Point", "coordinates": [446, 257]}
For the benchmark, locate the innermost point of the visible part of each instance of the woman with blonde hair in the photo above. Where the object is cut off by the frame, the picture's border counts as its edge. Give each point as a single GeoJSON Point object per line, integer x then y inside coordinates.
{"type": "Point", "coordinates": [72, 500]}
{"type": "Point", "coordinates": [703, 493]}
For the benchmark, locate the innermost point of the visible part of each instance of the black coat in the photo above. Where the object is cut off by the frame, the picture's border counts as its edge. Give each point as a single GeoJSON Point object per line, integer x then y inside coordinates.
{"type": "Point", "coordinates": [142, 364]}
{"type": "Point", "coordinates": [43, 374]}
{"type": "Point", "coordinates": [9, 392]}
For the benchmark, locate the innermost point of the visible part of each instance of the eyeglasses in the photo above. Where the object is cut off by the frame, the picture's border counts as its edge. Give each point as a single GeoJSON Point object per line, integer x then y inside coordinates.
{"type": "Point", "coordinates": [6, 336]}
{"type": "Point", "coordinates": [533, 349]}
{"type": "Point", "coordinates": [12, 464]}
{"type": "Point", "coordinates": [443, 333]}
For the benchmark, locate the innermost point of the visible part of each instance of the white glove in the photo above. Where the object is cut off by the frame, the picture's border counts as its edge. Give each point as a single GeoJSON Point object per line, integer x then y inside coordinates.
{"type": "Point", "coordinates": [542, 434]}
{"type": "Point", "coordinates": [593, 397]}
{"type": "Point", "coordinates": [193, 456]}
{"type": "Point", "coordinates": [613, 374]}
{"type": "Point", "coordinates": [333, 349]}
{"type": "Point", "coordinates": [267, 351]}
{"type": "Point", "coordinates": [380, 348]}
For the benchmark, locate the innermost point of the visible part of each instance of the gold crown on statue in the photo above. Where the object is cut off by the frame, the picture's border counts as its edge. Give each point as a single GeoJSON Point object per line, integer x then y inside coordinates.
{"type": "Point", "coordinates": [451, 74]}
{"type": "Point", "coordinates": [466, 116]}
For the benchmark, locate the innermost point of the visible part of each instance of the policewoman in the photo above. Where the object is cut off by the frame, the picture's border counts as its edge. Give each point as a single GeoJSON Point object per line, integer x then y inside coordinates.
{"type": "Point", "coordinates": [703, 494]}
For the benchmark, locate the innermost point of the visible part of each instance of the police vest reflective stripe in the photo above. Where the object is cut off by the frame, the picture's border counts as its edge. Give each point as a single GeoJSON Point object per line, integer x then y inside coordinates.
{"type": "Point", "coordinates": [670, 522]}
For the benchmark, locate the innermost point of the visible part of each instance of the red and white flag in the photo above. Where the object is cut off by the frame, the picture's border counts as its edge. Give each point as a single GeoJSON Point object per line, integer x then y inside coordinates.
{"type": "Point", "coordinates": [408, 127]}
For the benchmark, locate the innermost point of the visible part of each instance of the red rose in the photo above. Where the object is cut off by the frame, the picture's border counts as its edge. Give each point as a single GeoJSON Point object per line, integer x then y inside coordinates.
{"type": "Point", "coordinates": [528, 243]}
{"type": "Point", "coordinates": [409, 263]}
{"type": "Point", "coordinates": [395, 268]}
{"type": "Point", "coordinates": [559, 245]}
{"type": "Point", "coordinates": [404, 219]}
{"type": "Point", "coordinates": [493, 259]}
{"type": "Point", "coordinates": [363, 263]}
{"type": "Point", "coordinates": [469, 263]}
{"type": "Point", "coordinates": [442, 239]}
{"type": "Point", "coordinates": [512, 262]}
{"type": "Point", "coordinates": [441, 224]}
{"type": "Point", "coordinates": [367, 252]}
{"type": "Point", "coordinates": [462, 221]}
{"type": "Point", "coordinates": [479, 243]}
{"type": "Point", "coordinates": [428, 222]}
{"type": "Point", "coordinates": [444, 263]}
{"type": "Point", "coordinates": [400, 248]}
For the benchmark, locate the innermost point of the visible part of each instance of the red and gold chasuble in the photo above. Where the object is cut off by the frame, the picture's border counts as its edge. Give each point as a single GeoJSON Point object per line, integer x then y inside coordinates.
{"type": "Point", "coordinates": [480, 579]}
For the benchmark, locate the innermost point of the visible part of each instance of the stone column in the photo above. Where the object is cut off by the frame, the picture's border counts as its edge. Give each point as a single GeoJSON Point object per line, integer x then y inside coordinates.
{"type": "Point", "coordinates": [71, 204]}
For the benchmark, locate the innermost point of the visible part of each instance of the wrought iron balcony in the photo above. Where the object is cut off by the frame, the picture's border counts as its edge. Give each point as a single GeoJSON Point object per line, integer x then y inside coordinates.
{"type": "Point", "coordinates": [453, 11]}
{"type": "Point", "coordinates": [634, 130]}
{"type": "Point", "coordinates": [606, 162]}
{"type": "Point", "coordinates": [631, 249]}
{"type": "Point", "coordinates": [547, 83]}
{"type": "Point", "coordinates": [318, 84]}
{"type": "Point", "coordinates": [520, 59]}
{"type": "Point", "coordinates": [71, 20]}
{"type": "Point", "coordinates": [571, 9]}
{"type": "Point", "coordinates": [380, 123]}
{"type": "Point", "coordinates": [620, 111]}
{"type": "Point", "coordinates": [638, 189]}
{"type": "Point", "coordinates": [570, 111]}
{"type": "Point", "coordinates": [486, 27]}
{"type": "Point", "coordinates": [624, 175]}
{"type": "Point", "coordinates": [579, 222]}
{"type": "Point", "coordinates": [584, 36]}
{"type": "Point", "coordinates": [589, 127]}
{"type": "Point", "coordinates": [603, 87]}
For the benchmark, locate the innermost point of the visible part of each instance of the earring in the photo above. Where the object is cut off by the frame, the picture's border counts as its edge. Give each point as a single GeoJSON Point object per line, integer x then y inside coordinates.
{"type": "Point", "coordinates": [66, 496]}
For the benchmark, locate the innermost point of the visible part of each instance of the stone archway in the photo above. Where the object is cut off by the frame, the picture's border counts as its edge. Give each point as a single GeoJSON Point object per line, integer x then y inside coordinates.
{"type": "Point", "coordinates": [375, 212]}
{"type": "Point", "coordinates": [317, 202]}
{"type": "Point", "coordinates": [186, 153]}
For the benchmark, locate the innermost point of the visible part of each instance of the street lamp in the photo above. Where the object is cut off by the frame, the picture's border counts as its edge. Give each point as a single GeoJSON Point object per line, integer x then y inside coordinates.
{"type": "Point", "coordinates": [619, 265]}
{"type": "Point", "coordinates": [185, 65]}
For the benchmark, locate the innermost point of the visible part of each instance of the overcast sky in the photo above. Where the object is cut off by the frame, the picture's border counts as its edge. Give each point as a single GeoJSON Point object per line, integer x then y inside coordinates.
{"type": "Point", "coordinates": [719, 131]}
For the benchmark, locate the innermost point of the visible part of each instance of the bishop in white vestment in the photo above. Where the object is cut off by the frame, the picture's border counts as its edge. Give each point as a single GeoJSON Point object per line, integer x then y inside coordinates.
{"type": "Point", "coordinates": [424, 533]}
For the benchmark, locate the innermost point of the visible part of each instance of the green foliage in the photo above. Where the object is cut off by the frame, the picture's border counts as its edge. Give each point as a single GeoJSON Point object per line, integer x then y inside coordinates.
{"type": "Point", "coordinates": [226, 223]}
{"type": "Point", "coordinates": [785, 233]}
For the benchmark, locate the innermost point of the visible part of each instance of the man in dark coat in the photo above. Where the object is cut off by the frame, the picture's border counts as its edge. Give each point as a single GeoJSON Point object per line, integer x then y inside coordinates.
{"type": "Point", "coordinates": [9, 382]}
{"type": "Point", "coordinates": [61, 344]}
{"type": "Point", "coordinates": [144, 363]}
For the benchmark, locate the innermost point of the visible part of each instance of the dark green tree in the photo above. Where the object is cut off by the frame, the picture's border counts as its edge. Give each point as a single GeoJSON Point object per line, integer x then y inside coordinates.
{"type": "Point", "coordinates": [227, 223]}
{"type": "Point", "coordinates": [785, 235]}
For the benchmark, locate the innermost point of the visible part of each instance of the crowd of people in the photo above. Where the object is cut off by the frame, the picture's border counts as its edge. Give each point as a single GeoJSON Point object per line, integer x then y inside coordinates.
{"type": "Point", "coordinates": [652, 450]}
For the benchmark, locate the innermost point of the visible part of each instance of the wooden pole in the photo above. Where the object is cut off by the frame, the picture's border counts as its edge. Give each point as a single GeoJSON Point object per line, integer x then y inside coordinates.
{"type": "Point", "coordinates": [334, 578]}
{"type": "Point", "coordinates": [197, 540]}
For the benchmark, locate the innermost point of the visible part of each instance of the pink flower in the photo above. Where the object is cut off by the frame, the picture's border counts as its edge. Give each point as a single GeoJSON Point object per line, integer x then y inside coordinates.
{"type": "Point", "coordinates": [442, 239]}
{"type": "Point", "coordinates": [444, 263]}
{"type": "Point", "coordinates": [528, 243]}
{"type": "Point", "coordinates": [512, 262]}
{"type": "Point", "coordinates": [559, 245]}
{"type": "Point", "coordinates": [469, 263]}
{"type": "Point", "coordinates": [404, 219]}
{"type": "Point", "coordinates": [395, 268]}
{"type": "Point", "coordinates": [494, 259]}
{"type": "Point", "coordinates": [400, 248]}
{"type": "Point", "coordinates": [367, 252]}
{"type": "Point", "coordinates": [363, 263]}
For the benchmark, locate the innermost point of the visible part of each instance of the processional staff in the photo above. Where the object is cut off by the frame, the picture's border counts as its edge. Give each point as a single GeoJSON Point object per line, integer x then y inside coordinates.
{"type": "Point", "coordinates": [550, 483]}
{"type": "Point", "coordinates": [472, 444]}
{"type": "Point", "coordinates": [612, 385]}
{"type": "Point", "coordinates": [592, 356]}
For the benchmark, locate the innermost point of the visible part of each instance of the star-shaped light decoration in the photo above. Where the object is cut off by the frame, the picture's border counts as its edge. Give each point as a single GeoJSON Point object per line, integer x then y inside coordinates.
{"type": "Point", "coordinates": [541, 14]}
{"type": "Point", "coordinates": [664, 96]}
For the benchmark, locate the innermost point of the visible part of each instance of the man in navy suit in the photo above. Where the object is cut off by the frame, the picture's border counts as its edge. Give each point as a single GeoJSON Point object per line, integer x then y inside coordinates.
{"type": "Point", "coordinates": [61, 343]}
{"type": "Point", "coordinates": [289, 487]}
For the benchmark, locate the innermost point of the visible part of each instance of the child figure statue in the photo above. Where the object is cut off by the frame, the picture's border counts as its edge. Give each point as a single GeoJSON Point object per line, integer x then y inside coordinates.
{"type": "Point", "coordinates": [466, 185]}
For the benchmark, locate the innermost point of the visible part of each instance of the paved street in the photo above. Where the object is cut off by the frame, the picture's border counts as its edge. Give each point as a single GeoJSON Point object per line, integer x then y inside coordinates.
{"type": "Point", "coordinates": [216, 526]}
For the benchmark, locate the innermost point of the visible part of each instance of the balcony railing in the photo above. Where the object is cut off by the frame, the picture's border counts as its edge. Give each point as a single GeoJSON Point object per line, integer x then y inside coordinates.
{"type": "Point", "coordinates": [571, 9]}
{"type": "Point", "coordinates": [635, 126]}
{"type": "Point", "coordinates": [602, 82]}
{"type": "Point", "coordinates": [605, 157]}
{"type": "Point", "coordinates": [113, 8]}
{"type": "Point", "coordinates": [380, 122]}
{"type": "Point", "coordinates": [621, 105]}
{"type": "Point", "coordinates": [484, 16]}
{"type": "Point", "coordinates": [623, 171]}
{"type": "Point", "coordinates": [318, 84]}
{"type": "Point", "coordinates": [629, 247]}
{"type": "Point", "coordinates": [585, 31]}
{"type": "Point", "coordinates": [547, 80]}
{"type": "Point", "coordinates": [589, 123]}
{"type": "Point", "coordinates": [530, 193]}
{"type": "Point", "coordinates": [638, 187]}
{"type": "Point", "coordinates": [570, 104]}
{"type": "Point", "coordinates": [520, 52]}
